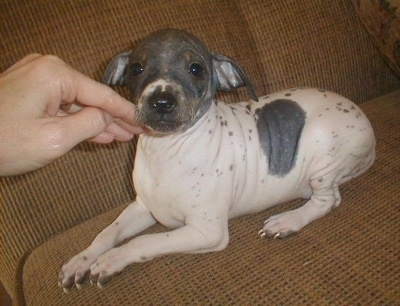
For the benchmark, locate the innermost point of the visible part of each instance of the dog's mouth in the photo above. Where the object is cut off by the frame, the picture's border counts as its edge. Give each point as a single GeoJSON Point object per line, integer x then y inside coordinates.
{"type": "Point", "coordinates": [160, 123]}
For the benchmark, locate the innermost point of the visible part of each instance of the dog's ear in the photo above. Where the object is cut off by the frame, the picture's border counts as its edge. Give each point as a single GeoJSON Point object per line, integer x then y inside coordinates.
{"type": "Point", "coordinates": [230, 76]}
{"type": "Point", "coordinates": [116, 70]}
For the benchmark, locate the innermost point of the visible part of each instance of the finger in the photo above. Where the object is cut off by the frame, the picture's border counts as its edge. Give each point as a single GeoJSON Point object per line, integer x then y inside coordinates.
{"type": "Point", "coordinates": [72, 108]}
{"type": "Point", "coordinates": [102, 138]}
{"type": "Point", "coordinates": [90, 122]}
{"type": "Point", "coordinates": [119, 133]}
{"type": "Point", "coordinates": [24, 61]}
{"type": "Point", "coordinates": [86, 91]}
{"type": "Point", "coordinates": [133, 129]}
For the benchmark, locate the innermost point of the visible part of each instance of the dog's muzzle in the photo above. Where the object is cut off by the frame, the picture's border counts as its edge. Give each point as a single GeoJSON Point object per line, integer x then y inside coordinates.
{"type": "Point", "coordinates": [165, 108]}
{"type": "Point", "coordinates": [162, 102]}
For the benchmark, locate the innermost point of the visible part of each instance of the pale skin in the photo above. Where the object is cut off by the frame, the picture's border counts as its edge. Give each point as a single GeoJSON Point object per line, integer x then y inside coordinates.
{"type": "Point", "coordinates": [47, 108]}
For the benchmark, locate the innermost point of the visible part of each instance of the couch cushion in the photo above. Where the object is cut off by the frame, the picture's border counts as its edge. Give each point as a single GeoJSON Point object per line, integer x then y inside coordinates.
{"type": "Point", "coordinates": [349, 257]}
{"type": "Point", "coordinates": [315, 43]}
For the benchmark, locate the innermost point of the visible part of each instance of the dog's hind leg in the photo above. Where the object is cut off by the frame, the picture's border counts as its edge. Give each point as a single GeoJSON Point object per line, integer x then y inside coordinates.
{"type": "Point", "coordinates": [325, 196]}
{"type": "Point", "coordinates": [133, 219]}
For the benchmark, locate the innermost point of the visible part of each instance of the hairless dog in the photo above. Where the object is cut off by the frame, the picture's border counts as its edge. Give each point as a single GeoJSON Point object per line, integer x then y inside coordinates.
{"type": "Point", "coordinates": [201, 162]}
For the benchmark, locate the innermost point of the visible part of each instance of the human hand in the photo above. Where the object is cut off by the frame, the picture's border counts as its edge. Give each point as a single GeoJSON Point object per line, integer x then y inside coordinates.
{"type": "Point", "coordinates": [47, 108]}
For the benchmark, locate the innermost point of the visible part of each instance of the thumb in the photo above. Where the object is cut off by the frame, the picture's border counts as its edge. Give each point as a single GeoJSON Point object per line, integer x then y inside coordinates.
{"type": "Point", "coordinates": [85, 124]}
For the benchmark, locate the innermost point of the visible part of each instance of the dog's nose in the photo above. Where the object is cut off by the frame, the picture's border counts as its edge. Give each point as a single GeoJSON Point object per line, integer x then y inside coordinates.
{"type": "Point", "coordinates": [163, 102]}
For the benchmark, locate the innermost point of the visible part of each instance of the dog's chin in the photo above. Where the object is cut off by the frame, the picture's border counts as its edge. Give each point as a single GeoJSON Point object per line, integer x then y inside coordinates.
{"type": "Point", "coordinates": [162, 127]}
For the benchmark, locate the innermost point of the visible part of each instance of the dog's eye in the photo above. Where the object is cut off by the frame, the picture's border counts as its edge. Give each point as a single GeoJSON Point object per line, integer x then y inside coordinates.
{"type": "Point", "coordinates": [196, 69]}
{"type": "Point", "coordinates": [136, 69]}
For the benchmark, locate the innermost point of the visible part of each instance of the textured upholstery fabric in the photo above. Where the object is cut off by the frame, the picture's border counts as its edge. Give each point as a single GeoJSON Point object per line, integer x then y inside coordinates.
{"type": "Point", "coordinates": [48, 215]}
{"type": "Point", "coordinates": [381, 18]}
{"type": "Point", "coordinates": [350, 257]}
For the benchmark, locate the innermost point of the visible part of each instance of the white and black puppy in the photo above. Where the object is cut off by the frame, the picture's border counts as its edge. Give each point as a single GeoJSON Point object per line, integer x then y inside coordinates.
{"type": "Point", "coordinates": [202, 162]}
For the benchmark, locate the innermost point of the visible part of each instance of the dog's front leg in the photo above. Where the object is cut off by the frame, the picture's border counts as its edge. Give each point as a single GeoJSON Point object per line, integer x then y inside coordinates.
{"type": "Point", "coordinates": [133, 219]}
{"type": "Point", "coordinates": [194, 237]}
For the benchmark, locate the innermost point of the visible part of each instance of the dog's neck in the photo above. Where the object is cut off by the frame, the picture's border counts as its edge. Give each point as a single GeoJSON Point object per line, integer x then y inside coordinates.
{"type": "Point", "coordinates": [205, 134]}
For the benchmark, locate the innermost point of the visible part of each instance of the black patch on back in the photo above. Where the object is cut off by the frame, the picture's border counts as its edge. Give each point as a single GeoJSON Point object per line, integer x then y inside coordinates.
{"type": "Point", "coordinates": [280, 124]}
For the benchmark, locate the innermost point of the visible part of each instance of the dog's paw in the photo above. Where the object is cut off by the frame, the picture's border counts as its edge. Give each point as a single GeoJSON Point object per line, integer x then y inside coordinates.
{"type": "Point", "coordinates": [75, 271]}
{"type": "Point", "coordinates": [281, 225]}
{"type": "Point", "coordinates": [107, 265]}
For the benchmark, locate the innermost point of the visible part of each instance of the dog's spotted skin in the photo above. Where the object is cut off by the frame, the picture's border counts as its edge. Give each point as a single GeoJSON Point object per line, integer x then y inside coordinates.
{"type": "Point", "coordinates": [194, 172]}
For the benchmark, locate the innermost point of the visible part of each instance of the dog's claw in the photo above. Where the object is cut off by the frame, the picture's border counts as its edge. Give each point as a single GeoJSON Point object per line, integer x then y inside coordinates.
{"type": "Point", "coordinates": [65, 290]}
{"type": "Point", "coordinates": [261, 234]}
{"type": "Point", "coordinates": [277, 235]}
{"type": "Point", "coordinates": [67, 284]}
{"type": "Point", "coordinates": [93, 279]}
{"type": "Point", "coordinates": [103, 280]}
{"type": "Point", "coordinates": [99, 280]}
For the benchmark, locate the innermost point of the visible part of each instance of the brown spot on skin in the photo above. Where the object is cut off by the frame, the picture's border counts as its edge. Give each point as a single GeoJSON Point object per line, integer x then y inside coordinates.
{"type": "Point", "coordinates": [346, 111]}
{"type": "Point", "coordinates": [84, 258]}
{"type": "Point", "coordinates": [230, 133]}
{"type": "Point", "coordinates": [210, 132]}
{"type": "Point", "coordinates": [231, 168]}
{"type": "Point", "coordinates": [288, 94]}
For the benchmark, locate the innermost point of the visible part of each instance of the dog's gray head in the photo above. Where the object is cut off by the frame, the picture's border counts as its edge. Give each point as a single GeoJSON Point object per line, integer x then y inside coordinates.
{"type": "Point", "coordinates": [172, 77]}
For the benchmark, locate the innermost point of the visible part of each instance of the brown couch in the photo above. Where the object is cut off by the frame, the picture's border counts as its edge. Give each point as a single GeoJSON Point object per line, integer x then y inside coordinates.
{"type": "Point", "coordinates": [349, 257]}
